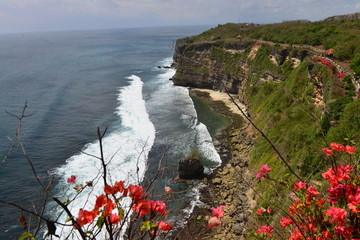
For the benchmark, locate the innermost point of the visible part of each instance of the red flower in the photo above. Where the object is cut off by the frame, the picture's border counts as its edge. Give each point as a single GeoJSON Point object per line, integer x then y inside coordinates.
{"type": "Point", "coordinates": [343, 231]}
{"type": "Point", "coordinates": [286, 221]}
{"type": "Point", "coordinates": [341, 75]}
{"type": "Point", "coordinates": [321, 202]}
{"type": "Point", "coordinates": [265, 230]}
{"type": "Point", "coordinates": [85, 217]}
{"type": "Point", "coordinates": [337, 147]}
{"type": "Point", "coordinates": [327, 151]}
{"type": "Point", "coordinates": [335, 193]}
{"type": "Point", "coordinates": [312, 191]}
{"type": "Point", "coordinates": [337, 214]}
{"type": "Point", "coordinates": [114, 218]}
{"type": "Point", "coordinates": [218, 212]}
{"type": "Point", "coordinates": [119, 186]}
{"type": "Point", "coordinates": [213, 222]}
{"type": "Point", "coordinates": [353, 208]}
{"type": "Point", "coordinates": [109, 206]}
{"type": "Point", "coordinates": [165, 226]}
{"type": "Point", "coordinates": [135, 192]}
{"type": "Point", "coordinates": [260, 211]}
{"type": "Point", "coordinates": [142, 207]}
{"type": "Point", "coordinates": [341, 173]}
{"type": "Point", "coordinates": [326, 234]}
{"type": "Point", "coordinates": [296, 235]}
{"type": "Point", "coordinates": [100, 201]}
{"type": "Point", "coordinates": [159, 206]}
{"type": "Point", "coordinates": [71, 179]}
{"type": "Point", "coordinates": [299, 185]}
{"type": "Point", "coordinates": [109, 190]}
{"type": "Point", "coordinates": [350, 149]}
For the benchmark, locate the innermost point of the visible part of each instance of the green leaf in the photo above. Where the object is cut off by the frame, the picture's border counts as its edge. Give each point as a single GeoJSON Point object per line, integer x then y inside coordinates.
{"type": "Point", "coordinates": [121, 213]}
{"type": "Point", "coordinates": [145, 225]}
{"type": "Point", "coordinates": [100, 222]}
{"type": "Point", "coordinates": [26, 235]}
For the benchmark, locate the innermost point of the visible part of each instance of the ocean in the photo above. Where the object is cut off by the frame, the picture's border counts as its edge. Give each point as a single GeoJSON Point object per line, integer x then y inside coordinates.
{"type": "Point", "coordinates": [74, 82]}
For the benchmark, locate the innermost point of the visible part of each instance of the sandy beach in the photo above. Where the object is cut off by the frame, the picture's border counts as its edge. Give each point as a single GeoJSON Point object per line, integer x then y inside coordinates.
{"type": "Point", "coordinates": [225, 98]}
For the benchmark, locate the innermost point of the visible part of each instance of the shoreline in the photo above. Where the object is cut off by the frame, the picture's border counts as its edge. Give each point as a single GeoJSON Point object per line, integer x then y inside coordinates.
{"type": "Point", "coordinates": [227, 184]}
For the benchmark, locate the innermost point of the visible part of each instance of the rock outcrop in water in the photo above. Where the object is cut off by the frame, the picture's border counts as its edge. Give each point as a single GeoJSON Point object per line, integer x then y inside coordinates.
{"type": "Point", "coordinates": [191, 167]}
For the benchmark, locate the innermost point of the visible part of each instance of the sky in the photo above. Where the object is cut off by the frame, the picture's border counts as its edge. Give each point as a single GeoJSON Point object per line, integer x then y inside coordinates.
{"type": "Point", "coordinates": [55, 15]}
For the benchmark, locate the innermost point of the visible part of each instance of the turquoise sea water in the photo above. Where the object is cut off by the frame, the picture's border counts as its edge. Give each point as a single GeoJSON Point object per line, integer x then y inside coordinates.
{"type": "Point", "coordinates": [77, 81]}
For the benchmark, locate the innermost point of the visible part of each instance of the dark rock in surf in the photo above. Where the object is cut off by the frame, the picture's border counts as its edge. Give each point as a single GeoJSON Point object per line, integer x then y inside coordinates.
{"type": "Point", "coordinates": [191, 167]}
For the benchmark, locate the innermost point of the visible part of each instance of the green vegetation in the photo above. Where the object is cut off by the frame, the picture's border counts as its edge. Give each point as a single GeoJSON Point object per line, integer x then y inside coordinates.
{"type": "Point", "coordinates": [285, 109]}
{"type": "Point", "coordinates": [355, 64]}
{"type": "Point", "coordinates": [342, 36]}
{"type": "Point", "coordinates": [301, 103]}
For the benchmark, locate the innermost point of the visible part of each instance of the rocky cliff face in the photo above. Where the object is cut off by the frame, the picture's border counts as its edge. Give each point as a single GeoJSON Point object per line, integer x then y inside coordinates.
{"type": "Point", "coordinates": [201, 65]}
{"type": "Point", "coordinates": [224, 64]}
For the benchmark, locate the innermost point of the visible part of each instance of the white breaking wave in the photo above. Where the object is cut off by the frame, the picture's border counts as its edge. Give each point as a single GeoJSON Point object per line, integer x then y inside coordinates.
{"type": "Point", "coordinates": [125, 152]}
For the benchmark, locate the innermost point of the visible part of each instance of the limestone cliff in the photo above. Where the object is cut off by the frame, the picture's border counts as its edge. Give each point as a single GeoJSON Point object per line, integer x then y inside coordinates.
{"type": "Point", "coordinates": [295, 99]}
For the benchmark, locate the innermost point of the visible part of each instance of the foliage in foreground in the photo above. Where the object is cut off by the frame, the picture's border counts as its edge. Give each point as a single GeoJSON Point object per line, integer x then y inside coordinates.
{"type": "Point", "coordinates": [313, 213]}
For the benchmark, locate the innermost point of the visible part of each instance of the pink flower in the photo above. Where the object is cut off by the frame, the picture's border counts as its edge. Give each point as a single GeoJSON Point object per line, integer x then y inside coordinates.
{"type": "Point", "coordinates": [327, 151]}
{"type": "Point", "coordinates": [264, 169]}
{"type": "Point", "coordinates": [71, 179]}
{"type": "Point", "coordinates": [350, 149]}
{"type": "Point", "coordinates": [218, 212]}
{"type": "Point", "coordinates": [299, 185]}
{"type": "Point", "coordinates": [286, 221]}
{"type": "Point", "coordinates": [337, 214]}
{"type": "Point", "coordinates": [265, 230]}
{"type": "Point", "coordinates": [268, 210]}
{"type": "Point", "coordinates": [213, 222]}
{"type": "Point", "coordinates": [168, 190]}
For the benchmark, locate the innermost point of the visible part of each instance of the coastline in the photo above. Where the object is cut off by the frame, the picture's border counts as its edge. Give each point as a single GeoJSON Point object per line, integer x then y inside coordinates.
{"type": "Point", "coordinates": [228, 184]}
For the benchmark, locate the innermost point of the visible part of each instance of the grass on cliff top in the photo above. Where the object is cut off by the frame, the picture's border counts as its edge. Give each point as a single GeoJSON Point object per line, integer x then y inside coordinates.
{"type": "Point", "coordinates": [343, 36]}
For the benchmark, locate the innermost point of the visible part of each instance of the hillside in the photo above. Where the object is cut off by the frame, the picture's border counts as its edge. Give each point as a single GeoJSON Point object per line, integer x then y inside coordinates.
{"type": "Point", "coordinates": [298, 93]}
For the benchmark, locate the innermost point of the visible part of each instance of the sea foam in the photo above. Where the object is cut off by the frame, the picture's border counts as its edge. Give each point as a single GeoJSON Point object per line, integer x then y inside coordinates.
{"type": "Point", "coordinates": [125, 152]}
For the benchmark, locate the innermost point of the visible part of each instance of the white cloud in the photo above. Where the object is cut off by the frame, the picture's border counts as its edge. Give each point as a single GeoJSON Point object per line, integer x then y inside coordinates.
{"type": "Point", "coordinates": [170, 12]}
